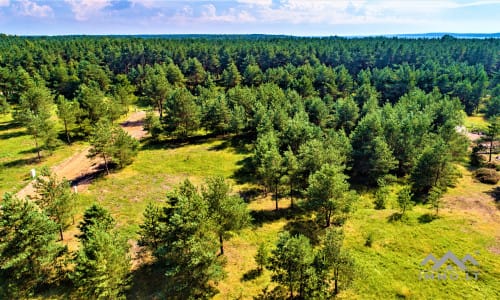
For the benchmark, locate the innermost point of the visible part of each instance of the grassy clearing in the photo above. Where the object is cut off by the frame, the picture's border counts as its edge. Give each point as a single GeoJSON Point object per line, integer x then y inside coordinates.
{"type": "Point", "coordinates": [18, 155]}
{"type": "Point", "coordinates": [476, 123]}
{"type": "Point", "coordinates": [388, 269]}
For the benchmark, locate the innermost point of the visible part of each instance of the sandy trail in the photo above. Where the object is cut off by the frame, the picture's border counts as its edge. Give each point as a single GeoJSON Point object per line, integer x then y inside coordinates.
{"type": "Point", "coordinates": [80, 169]}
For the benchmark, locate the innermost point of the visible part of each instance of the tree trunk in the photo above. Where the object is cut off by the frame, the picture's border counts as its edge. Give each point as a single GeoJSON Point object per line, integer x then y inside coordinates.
{"type": "Point", "coordinates": [491, 148]}
{"type": "Point", "coordinates": [291, 196]}
{"type": "Point", "coordinates": [160, 108]}
{"type": "Point", "coordinates": [105, 163]}
{"type": "Point", "coordinates": [37, 149]}
{"type": "Point", "coordinates": [66, 130]}
{"type": "Point", "coordinates": [276, 196]}
{"type": "Point", "coordinates": [61, 232]}
{"type": "Point", "coordinates": [221, 245]}
{"type": "Point", "coordinates": [336, 290]}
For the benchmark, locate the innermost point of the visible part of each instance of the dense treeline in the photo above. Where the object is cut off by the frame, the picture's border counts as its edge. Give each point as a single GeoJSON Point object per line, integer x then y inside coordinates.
{"type": "Point", "coordinates": [324, 116]}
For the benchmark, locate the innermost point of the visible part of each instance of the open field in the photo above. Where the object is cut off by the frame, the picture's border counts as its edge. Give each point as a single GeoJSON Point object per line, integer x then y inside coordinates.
{"type": "Point", "coordinates": [18, 155]}
{"type": "Point", "coordinates": [390, 268]}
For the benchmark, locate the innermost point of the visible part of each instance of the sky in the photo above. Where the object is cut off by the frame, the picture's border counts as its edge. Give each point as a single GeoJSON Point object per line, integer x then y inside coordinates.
{"type": "Point", "coordinates": [289, 17]}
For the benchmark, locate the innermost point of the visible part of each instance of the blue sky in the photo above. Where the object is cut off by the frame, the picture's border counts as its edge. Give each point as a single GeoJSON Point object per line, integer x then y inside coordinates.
{"type": "Point", "coordinates": [293, 17]}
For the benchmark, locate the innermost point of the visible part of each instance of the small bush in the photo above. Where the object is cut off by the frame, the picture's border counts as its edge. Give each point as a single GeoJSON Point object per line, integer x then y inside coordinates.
{"type": "Point", "coordinates": [369, 239]}
{"type": "Point", "coordinates": [489, 176]}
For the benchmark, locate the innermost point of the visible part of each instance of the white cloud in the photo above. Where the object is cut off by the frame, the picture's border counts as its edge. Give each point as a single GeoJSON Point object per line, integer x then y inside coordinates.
{"type": "Point", "coordinates": [32, 9]}
{"type": "Point", "coordinates": [85, 9]}
{"type": "Point", "coordinates": [256, 2]}
{"type": "Point", "coordinates": [4, 3]}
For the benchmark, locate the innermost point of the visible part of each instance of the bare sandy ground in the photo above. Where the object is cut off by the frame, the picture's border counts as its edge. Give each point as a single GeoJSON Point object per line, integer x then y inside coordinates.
{"type": "Point", "coordinates": [80, 169]}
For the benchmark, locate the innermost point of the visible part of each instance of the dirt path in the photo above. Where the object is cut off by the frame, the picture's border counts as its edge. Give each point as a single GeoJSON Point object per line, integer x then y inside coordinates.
{"type": "Point", "coordinates": [81, 170]}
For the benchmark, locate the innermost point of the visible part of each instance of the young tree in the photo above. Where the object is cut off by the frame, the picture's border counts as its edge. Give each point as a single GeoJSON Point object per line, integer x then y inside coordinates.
{"type": "Point", "coordinates": [125, 147]}
{"type": "Point", "coordinates": [433, 168]}
{"type": "Point", "coordinates": [112, 143]}
{"type": "Point", "coordinates": [156, 87]}
{"type": "Point", "coordinates": [55, 198]}
{"type": "Point", "coordinates": [493, 133]}
{"type": "Point", "coordinates": [434, 197]}
{"type": "Point", "coordinates": [291, 263]}
{"type": "Point", "coordinates": [328, 192]}
{"type": "Point", "coordinates": [153, 125]}
{"type": "Point", "coordinates": [261, 257]}
{"type": "Point", "coordinates": [334, 260]}
{"type": "Point", "coordinates": [292, 177]}
{"type": "Point", "coordinates": [101, 141]}
{"type": "Point", "coordinates": [229, 212]}
{"type": "Point", "coordinates": [404, 199]}
{"type": "Point", "coordinates": [67, 111]}
{"type": "Point", "coordinates": [42, 130]}
{"type": "Point", "coordinates": [95, 216]}
{"type": "Point", "coordinates": [102, 265]}
{"type": "Point", "coordinates": [372, 157]}
{"type": "Point", "coordinates": [231, 76]}
{"type": "Point", "coordinates": [29, 253]}
{"type": "Point", "coordinates": [34, 113]}
{"type": "Point", "coordinates": [183, 115]}
{"type": "Point", "coordinates": [188, 250]}
{"type": "Point", "coordinates": [4, 105]}
{"type": "Point", "coordinates": [151, 229]}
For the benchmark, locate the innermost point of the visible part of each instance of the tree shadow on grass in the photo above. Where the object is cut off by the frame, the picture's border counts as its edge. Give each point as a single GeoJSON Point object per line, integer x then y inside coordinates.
{"type": "Point", "coordinates": [259, 217]}
{"type": "Point", "coordinates": [246, 173]}
{"type": "Point", "coordinates": [10, 135]}
{"type": "Point", "coordinates": [251, 275]}
{"type": "Point", "coordinates": [495, 193]}
{"type": "Point", "coordinates": [147, 282]}
{"type": "Point", "coordinates": [9, 125]}
{"type": "Point", "coordinates": [307, 227]}
{"type": "Point", "coordinates": [240, 144]}
{"type": "Point", "coordinates": [427, 218]}
{"type": "Point", "coordinates": [395, 217]}
{"type": "Point", "coordinates": [20, 162]}
{"type": "Point", "coordinates": [149, 143]}
{"type": "Point", "coordinates": [250, 194]}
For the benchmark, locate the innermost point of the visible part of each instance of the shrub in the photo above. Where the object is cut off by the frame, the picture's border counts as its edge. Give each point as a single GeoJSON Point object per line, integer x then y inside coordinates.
{"type": "Point", "coordinates": [488, 176]}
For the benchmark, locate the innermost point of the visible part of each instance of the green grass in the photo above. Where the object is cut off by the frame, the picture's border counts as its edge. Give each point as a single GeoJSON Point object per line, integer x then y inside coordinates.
{"type": "Point", "coordinates": [155, 171]}
{"type": "Point", "coordinates": [476, 123]}
{"type": "Point", "coordinates": [388, 269]}
{"type": "Point", "coordinates": [18, 155]}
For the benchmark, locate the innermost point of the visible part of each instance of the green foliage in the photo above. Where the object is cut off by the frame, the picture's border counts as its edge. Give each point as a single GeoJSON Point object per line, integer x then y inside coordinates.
{"type": "Point", "coordinates": [381, 196]}
{"type": "Point", "coordinates": [405, 199]}
{"type": "Point", "coordinates": [262, 256]}
{"type": "Point", "coordinates": [435, 197]}
{"type": "Point", "coordinates": [151, 228]}
{"type": "Point", "coordinates": [433, 169]}
{"type": "Point", "coordinates": [4, 105]}
{"type": "Point", "coordinates": [183, 115]}
{"type": "Point", "coordinates": [156, 87]}
{"type": "Point", "coordinates": [95, 217]}
{"type": "Point", "coordinates": [153, 125]}
{"type": "Point", "coordinates": [372, 157]}
{"type": "Point", "coordinates": [335, 262]}
{"type": "Point", "coordinates": [112, 143]}
{"type": "Point", "coordinates": [228, 212]}
{"type": "Point", "coordinates": [67, 111]}
{"type": "Point", "coordinates": [493, 133]}
{"type": "Point", "coordinates": [188, 252]}
{"type": "Point", "coordinates": [329, 194]}
{"type": "Point", "coordinates": [291, 263]}
{"type": "Point", "coordinates": [29, 254]}
{"type": "Point", "coordinates": [102, 265]}
{"type": "Point", "coordinates": [55, 198]}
